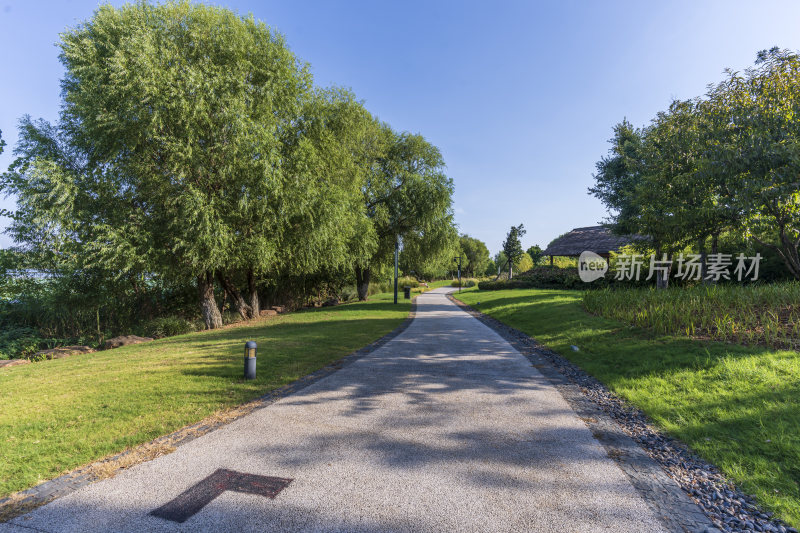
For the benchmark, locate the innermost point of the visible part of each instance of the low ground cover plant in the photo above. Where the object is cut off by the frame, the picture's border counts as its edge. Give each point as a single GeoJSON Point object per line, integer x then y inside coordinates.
{"type": "Point", "coordinates": [766, 314]}
{"type": "Point", "coordinates": [736, 406]}
{"type": "Point", "coordinates": [465, 282]}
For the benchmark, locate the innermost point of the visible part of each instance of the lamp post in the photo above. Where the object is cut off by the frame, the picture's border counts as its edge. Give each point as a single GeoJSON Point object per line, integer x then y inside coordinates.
{"type": "Point", "coordinates": [396, 255]}
{"type": "Point", "coordinates": [457, 260]}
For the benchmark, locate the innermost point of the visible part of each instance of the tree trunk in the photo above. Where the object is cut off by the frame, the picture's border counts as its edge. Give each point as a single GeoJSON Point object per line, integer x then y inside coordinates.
{"type": "Point", "coordinates": [362, 282]}
{"type": "Point", "coordinates": [787, 249]}
{"type": "Point", "coordinates": [244, 310]}
{"type": "Point", "coordinates": [714, 250]}
{"type": "Point", "coordinates": [208, 305]}
{"type": "Point", "coordinates": [255, 303]}
{"type": "Point", "coordinates": [701, 246]}
{"type": "Point", "coordinates": [510, 270]}
{"type": "Point", "coordinates": [789, 252]}
{"type": "Point", "coordinates": [662, 279]}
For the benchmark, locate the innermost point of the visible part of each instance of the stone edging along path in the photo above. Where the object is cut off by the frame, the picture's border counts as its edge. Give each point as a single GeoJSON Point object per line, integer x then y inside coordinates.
{"type": "Point", "coordinates": [661, 468]}
{"type": "Point", "coordinates": [26, 501]}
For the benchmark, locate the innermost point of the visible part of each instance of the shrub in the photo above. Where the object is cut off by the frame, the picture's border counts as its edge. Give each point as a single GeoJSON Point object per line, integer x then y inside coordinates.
{"type": "Point", "coordinates": [348, 293]}
{"type": "Point", "coordinates": [543, 277]}
{"type": "Point", "coordinates": [21, 342]}
{"type": "Point", "coordinates": [168, 326]}
{"type": "Point", "coordinates": [465, 282]}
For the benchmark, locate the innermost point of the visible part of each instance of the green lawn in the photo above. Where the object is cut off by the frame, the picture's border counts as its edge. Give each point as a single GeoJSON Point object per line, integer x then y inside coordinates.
{"type": "Point", "coordinates": [60, 414]}
{"type": "Point", "coordinates": [738, 407]}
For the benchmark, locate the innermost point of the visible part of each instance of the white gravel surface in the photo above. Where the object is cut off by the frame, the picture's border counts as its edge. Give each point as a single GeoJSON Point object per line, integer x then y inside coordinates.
{"type": "Point", "coordinates": [444, 428]}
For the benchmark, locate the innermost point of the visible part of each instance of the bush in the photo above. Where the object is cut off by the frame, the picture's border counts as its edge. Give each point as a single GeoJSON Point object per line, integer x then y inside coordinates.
{"type": "Point", "coordinates": [20, 342]}
{"type": "Point", "coordinates": [465, 282]}
{"type": "Point", "coordinates": [542, 277]}
{"type": "Point", "coordinates": [348, 294]}
{"type": "Point", "coordinates": [168, 326]}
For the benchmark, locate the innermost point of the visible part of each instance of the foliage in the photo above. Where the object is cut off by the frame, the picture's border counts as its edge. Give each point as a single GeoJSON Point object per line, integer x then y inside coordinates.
{"type": "Point", "coordinates": [724, 163]}
{"type": "Point", "coordinates": [536, 254]}
{"type": "Point", "coordinates": [491, 268]}
{"type": "Point", "coordinates": [737, 407]}
{"type": "Point", "coordinates": [476, 255]}
{"type": "Point", "coordinates": [407, 197]}
{"type": "Point", "coordinates": [752, 315]}
{"type": "Point", "coordinates": [523, 263]}
{"type": "Point", "coordinates": [512, 248]}
{"type": "Point", "coordinates": [465, 282]}
{"type": "Point", "coordinates": [194, 162]}
{"type": "Point", "coordinates": [20, 342]}
{"type": "Point", "coordinates": [168, 326]}
{"type": "Point", "coordinates": [543, 277]}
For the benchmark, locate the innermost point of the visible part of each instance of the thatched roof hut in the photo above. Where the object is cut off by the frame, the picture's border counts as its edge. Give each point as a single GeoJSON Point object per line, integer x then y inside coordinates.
{"type": "Point", "coordinates": [597, 239]}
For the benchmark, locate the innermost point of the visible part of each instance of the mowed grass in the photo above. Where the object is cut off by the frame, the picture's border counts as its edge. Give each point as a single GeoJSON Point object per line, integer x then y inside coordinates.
{"type": "Point", "coordinates": [60, 414]}
{"type": "Point", "coordinates": [738, 407]}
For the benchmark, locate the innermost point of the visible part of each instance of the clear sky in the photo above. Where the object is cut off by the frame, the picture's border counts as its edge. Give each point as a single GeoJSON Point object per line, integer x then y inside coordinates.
{"type": "Point", "coordinates": [519, 96]}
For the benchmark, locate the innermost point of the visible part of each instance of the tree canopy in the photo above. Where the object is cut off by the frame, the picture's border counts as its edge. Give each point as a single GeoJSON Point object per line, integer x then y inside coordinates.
{"type": "Point", "coordinates": [727, 162]}
{"type": "Point", "coordinates": [476, 255]}
{"type": "Point", "coordinates": [194, 149]}
{"type": "Point", "coordinates": [512, 247]}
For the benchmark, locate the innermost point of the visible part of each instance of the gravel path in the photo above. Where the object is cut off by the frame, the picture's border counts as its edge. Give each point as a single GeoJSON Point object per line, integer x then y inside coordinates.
{"type": "Point", "coordinates": [444, 428]}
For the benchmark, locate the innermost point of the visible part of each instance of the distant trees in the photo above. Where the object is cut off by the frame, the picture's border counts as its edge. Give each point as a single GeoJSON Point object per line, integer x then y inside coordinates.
{"type": "Point", "coordinates": [536, 254]}
{"type": "Point", "coordinates": [512, 248]}
{"type": "Point", "coordinates": [724, 163]}
{"type": "Point", "coordinates": [193, 149]}
{"type": "Point", "coordinates": [476, 255]}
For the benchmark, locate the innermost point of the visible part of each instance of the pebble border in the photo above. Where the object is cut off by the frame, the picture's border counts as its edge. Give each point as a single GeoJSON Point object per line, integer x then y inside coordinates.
{"type": "Point", "coordinates": [26, 501]}
{"type": "Point", "coordinates": [686, 492]}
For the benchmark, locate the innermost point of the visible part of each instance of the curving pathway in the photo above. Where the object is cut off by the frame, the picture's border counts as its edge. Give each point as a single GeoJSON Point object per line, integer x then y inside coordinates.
{"type": "Point", "coordinates": [444, 428]}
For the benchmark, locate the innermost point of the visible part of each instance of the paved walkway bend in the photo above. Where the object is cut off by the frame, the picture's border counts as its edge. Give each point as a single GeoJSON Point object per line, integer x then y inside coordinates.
{"type": "Point", "coordinates": [444, 428]}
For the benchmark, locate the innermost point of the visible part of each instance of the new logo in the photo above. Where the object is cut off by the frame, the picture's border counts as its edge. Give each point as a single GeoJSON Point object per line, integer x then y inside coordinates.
{"type": "Point", "coordinates": [591, 266]}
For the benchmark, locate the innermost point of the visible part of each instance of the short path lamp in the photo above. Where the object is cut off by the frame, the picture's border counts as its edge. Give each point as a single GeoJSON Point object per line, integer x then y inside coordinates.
{"type": "Point", "coordinates": [250, 360]}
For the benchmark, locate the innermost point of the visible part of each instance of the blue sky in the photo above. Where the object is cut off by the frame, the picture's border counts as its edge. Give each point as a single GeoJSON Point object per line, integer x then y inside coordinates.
{"type": "Point", "coordinates": [519, 96]}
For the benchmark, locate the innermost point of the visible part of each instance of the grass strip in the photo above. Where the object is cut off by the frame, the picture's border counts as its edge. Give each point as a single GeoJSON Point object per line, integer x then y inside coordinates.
{"type": "Point", "coordinates": [60, 414]}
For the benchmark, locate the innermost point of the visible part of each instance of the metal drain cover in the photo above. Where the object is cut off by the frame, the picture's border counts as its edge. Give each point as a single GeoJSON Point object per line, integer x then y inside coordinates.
{"type": "Point", "coordinates": [191, 501]}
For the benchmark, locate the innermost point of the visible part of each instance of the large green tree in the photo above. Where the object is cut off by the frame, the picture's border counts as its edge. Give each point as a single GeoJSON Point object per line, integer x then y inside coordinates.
{"type": "Point", "coordinates": [536, 254]}
{"type": "Point", "coordinates": [192, 146]}
{"type": "Point", "coordinates": [512, 247]}
{"type": "Point", "coordinates": [760, 141]}
{"type": "Point", "coordinates": [476, 255]}
{"type": "Point", "coordinates": [406, 195]}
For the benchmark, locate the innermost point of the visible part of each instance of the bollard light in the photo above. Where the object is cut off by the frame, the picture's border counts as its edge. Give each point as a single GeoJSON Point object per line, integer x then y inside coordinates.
{"type": "Point", "coordinates": [250, 349]}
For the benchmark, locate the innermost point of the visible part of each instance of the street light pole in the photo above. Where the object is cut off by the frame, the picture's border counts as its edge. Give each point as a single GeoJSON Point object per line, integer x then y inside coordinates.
{"type": "Point", "coordinates": [396, 255]}
{"type": "Point", "coordinates": [457, 260]}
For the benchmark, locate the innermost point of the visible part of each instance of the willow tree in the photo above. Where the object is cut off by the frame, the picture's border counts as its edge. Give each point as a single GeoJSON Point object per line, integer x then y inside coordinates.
{"type": "Point", "coordinates": [184, 106]}
{"type": "Point", "coordinates": [406, 194]}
